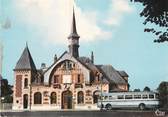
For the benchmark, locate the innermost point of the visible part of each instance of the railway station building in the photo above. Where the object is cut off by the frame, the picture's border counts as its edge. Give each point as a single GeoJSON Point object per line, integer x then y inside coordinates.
{"type": "Point", "coordinates": [71, 82]}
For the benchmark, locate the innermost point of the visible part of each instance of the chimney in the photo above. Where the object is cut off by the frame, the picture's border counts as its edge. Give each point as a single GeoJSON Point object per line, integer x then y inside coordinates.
{"type": "Point", "coordinates": [55, 58]}
{"type": "Point", "coordinates": [43, 65]}
{"type": "Point", "coordinates": [92, 57]}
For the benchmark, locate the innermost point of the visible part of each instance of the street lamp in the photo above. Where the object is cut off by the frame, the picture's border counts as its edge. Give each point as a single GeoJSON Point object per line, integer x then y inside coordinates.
{"type": "Point", "coordinates": [30, 96]}
{"type": "Point", "coordinates": [101, 83]}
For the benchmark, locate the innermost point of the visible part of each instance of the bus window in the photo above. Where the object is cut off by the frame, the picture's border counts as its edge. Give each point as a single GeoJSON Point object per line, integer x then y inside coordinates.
{"type": "Point", "coordinates": [151, 96]}
{"type": "Point", "coordinates": [120, 96]}
{"type": "Point", "coordinates": [137, 96]}
{"type": "Point", "coordinates": [105, 97]}
{"type": "Point", "coordinates": [144, 96]}
{"type": "Point", "coordinates": [111, 97]}
{"type": "Point", "coordinates": [128, 96]}
{"type": "Point", "coordinates": [157, 96]}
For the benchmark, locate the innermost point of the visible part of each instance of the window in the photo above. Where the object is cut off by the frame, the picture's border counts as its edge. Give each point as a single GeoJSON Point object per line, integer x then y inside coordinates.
{"type": "Point", "coordinates": [120, 96]}
{"type": "Point", "coordinates": [38, 80]}
{"type": "Point", "coordinates": [137, 96]}
{"type": "Point", "coordinates": [157, 96]}
{"type": "Point", "coordinates": [53, 98]}
{"type": "Point", "coordinates": [45, 93]}
{"type": "Point", "coordinates": [98, 78]}
{"type": "Point", "coordinates": [25, 83]}
{"type": "Point", "coordinates": [128, 96]}
{"type": "Point", "coordinates": [96, 96]}
{"type": "Point", "coordinates": [151, 96]}
{"type": "Point", "coordinates": [56, 79]}
{"type": "Point", "coordinates": [80, 97]}
{"type": "Point", "coordinates": [68, 65]}
{"type": "Point", "coordinates": [37, 98]}
{"type": "Point", "coordinates": [88, 93]}
{"type": "Point", "coordinates": [100, 97]}
{"type": "Point", "coordinates": [111, 97]}
{"type": "Point", "coordinates": [144, 96]}
{"type": "Point", "coordinates": [17, 101]}
{"type": "Point", "coordinates": [79, 78]}
{"type": "Point", "coordinates": [105, 97]}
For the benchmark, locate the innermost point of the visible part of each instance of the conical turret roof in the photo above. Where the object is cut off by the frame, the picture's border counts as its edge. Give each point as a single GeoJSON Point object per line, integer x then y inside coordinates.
{"type": "Point", "coordinates": [26, 61]}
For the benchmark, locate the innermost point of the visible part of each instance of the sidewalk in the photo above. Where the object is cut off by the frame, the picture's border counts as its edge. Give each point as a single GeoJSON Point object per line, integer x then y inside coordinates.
{"type": "Point", "coordinates": [48, 110]}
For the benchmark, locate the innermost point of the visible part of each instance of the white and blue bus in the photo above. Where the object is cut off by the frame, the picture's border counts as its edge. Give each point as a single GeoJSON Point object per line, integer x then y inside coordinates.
{"type": "Point", "coordinates": [141, 100]}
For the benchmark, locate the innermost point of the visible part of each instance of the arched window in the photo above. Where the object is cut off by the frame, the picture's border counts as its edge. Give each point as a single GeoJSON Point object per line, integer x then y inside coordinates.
{"type": "Point", "coordinates": [53, 98]}
{"type": "Point", "coordinates": [37, 98]}
{"type": "Point", "coordinates": [80, 97]}
{"type": "Point", "coordinates": [25, 101]}
{"type": "Point", "coordinates": [25, 83]}
{"type": "Point", "coordinates": [96, 96]}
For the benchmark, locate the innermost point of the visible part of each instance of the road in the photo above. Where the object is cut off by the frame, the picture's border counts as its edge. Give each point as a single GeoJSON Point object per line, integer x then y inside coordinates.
{"type": "Point", "coordinates": [113, 113]}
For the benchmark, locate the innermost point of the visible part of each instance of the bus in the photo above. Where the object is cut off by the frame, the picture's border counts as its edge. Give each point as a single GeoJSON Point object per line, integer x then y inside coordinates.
{"type": "Point", "coordinates": [141, 100]}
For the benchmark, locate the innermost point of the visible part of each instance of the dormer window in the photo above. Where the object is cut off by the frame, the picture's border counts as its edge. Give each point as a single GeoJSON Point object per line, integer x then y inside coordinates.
{"type": "Point", "coordinates": [68, 65]}
{"type": "Point", "coordinates": [38, 80]}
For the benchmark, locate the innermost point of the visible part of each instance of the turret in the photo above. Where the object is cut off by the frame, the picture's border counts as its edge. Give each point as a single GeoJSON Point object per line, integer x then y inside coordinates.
{"type": "Point", "coordinates": [24, 73]}
{"type": "Point", "coordinates": [73, 39]}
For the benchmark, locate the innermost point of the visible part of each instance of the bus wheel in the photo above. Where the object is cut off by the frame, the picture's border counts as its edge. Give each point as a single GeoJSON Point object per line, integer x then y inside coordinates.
{"type": "Point", "coordinates": [142, 106]}
{"type": "Point", "coordinates": [108, 107]}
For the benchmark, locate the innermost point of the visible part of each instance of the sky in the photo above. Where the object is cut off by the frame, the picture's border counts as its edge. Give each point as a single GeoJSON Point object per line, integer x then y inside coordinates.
{"type": "Point", "coordinates": [112, 29]}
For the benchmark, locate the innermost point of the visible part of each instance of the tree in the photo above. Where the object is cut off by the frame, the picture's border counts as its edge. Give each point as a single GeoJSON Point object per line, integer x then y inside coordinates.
{"type": "Point", "coordinates": [146, 89]}
{"type": "Point", "coordinates": [137, 90]}
{"type": "Point", "coordinates": [156, 12]}
{"type": "Point", "coordinates": [163, 94]}
{"type": "Point", "coordinates": [6, 91]}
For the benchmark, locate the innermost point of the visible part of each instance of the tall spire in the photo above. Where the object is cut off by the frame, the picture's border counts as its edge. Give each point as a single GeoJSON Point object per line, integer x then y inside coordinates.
{"type": "Point", "coordinates": [73, 33]}
{"type": "Point", "coordinates": [73, 38]}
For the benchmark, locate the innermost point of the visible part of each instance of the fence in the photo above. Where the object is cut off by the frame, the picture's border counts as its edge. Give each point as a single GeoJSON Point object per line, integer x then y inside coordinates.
{"type": "Point", "coordinates": [5, 106]}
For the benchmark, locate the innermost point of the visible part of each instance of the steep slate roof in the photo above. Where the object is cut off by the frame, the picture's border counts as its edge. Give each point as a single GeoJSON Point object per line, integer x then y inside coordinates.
{"type": "Point", "coordinates": [25, 62]}
{"type": "Point", "coordinates": [123, 73]}
{"type": "Point", "coordinates": [112, 74]}
{"type": "Point", "coordinates": [109, 73]}
{"type": "Point", "coordinates": [87, 62]}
